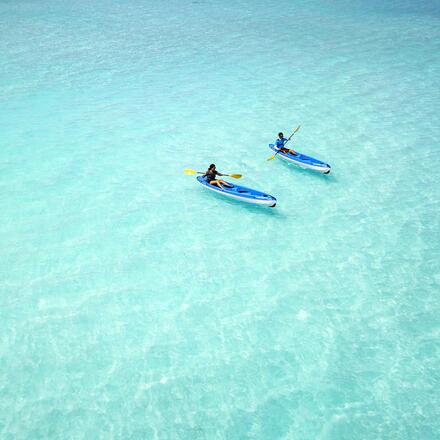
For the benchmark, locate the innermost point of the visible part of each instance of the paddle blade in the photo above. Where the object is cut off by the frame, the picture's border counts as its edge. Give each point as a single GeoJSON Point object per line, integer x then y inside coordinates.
{"type": "Point", "coordinates": [271, 157]}
{"type": "Point", "coordinates": [189, 171]}
{"type": "Point", "coordinates": [236, 176]}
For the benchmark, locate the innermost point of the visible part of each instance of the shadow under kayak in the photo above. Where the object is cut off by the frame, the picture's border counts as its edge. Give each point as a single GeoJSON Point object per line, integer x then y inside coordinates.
{"type": "Point", "coordinates": [303, 161]}
{"type": "Point", "coordinates": [241, 193]}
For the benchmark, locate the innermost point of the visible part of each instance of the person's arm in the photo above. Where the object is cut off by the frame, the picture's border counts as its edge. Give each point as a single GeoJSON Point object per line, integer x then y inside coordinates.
{"type": "Point", "coordinates": [219, 174]}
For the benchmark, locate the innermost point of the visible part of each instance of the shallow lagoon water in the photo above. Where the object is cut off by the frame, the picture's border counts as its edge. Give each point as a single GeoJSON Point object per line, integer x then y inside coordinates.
{"type": "Point", "coordinates": [134, 304]}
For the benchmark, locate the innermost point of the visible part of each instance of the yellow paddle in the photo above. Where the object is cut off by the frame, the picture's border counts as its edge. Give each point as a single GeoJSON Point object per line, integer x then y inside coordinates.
{"type": "Point", "coordinates": [190, 171]}
{"type": "Point", "coordinates": [290, 137]}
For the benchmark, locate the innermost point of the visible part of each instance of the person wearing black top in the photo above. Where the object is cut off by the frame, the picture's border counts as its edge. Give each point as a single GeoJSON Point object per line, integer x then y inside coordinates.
{"type": "Point", "coordinates": [211, 177]}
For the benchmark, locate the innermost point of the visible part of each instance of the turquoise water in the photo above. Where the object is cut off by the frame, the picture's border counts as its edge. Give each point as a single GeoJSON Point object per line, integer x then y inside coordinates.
{"type": "Point", "coordinates": [134, 304]}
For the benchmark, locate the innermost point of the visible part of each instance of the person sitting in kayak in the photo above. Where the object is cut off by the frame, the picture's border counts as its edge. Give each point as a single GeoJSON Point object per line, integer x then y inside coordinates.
{"type": "Point", "coordinates": [279, 143]}
{"type": "Point", "coordinates": [211, 177]}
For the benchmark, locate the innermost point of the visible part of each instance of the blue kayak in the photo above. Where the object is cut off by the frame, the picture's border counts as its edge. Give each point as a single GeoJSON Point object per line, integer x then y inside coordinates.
{"type": "Point", "coordinates": [303, 161]}
{"type": "Point", "coordinates": [241, 193]}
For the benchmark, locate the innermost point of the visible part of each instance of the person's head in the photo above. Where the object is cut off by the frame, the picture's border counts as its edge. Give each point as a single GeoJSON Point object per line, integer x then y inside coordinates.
{"type": "Point", "coordinates": [280, 135]}
{"type": "Point", "coordinates": [211, 167]}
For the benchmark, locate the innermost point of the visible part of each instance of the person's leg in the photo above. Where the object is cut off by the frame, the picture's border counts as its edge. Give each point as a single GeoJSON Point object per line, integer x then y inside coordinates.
{"type": "Point", "coordinates": [286, 150]}
{"type": "Point", "coordinates": [226, 183]}
{"type": "Point", "coordinates": [216, 183]}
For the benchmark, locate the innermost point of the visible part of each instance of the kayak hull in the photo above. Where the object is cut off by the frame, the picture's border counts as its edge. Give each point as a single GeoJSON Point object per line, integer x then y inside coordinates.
{"type": "Point", "coordinates": [303, 161]}
{"type": "Point", "coordinates": [241, 193]}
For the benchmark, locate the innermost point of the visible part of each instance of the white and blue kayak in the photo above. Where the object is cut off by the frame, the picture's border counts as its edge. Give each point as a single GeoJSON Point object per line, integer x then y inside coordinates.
{"type": "Point", "coordinates": [303, 161]}
{"type": "Point", "coordinates": [241, 193]}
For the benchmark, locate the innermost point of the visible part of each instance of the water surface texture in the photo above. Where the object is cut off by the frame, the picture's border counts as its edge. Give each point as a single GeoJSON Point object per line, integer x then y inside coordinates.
{"type": "Point", "coordinates": [136, 305]}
